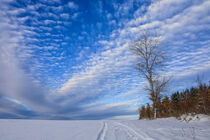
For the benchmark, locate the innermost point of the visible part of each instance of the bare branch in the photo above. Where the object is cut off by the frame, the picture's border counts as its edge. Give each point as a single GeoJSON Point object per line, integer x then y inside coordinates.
{"type": "Point", "coordinates": [150, 60]}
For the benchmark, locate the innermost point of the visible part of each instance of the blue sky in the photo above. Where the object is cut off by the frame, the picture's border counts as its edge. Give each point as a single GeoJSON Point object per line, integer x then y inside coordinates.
{"type": "Point", "coordinates": [64, 59]}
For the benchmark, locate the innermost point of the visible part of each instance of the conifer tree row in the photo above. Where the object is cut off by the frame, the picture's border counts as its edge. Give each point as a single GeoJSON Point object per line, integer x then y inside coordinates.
{"type": "Point", "coordinates": [193, 100]}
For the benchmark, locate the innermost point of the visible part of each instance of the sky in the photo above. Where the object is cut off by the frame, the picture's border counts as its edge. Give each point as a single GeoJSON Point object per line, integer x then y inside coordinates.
{"type": "Point", "coordinates": [64, 59]}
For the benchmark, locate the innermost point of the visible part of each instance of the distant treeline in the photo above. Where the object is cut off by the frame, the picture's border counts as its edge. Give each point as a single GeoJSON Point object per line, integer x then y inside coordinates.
{"type": "Point", "coordinates": [193, 100]}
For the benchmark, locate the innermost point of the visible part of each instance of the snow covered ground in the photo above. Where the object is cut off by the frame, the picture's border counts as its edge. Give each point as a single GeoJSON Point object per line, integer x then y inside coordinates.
{"type": "Point", "coordinates": [161, 129]}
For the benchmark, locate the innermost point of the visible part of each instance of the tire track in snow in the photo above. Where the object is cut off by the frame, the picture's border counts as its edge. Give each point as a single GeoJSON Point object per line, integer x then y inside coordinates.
{"type": "Point", "coordinates": [137, 135]}
{"type": "Point", "coordinates": [102, 133]}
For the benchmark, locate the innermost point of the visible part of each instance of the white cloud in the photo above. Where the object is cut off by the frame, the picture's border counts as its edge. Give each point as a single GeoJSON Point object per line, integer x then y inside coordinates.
{"type": "Point", "coordinates": [75, 15]}
{"type": "Point", "coordinates": [73, 5]}
{"type": "Point", "coordinates": [49, 22]}
{"type": "Point", "coordinates": [123, 9]}
{"type": "Point", "coordinates": [109, 16]}
{"type": "Point", "coordinates": [65, 15]}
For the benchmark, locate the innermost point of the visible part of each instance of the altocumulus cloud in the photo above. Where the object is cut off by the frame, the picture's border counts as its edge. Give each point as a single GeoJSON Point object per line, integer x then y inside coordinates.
{"type": "Point", "coordinates": [48, 72]}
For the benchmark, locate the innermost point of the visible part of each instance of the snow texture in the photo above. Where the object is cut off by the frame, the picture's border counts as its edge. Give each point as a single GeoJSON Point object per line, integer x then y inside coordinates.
{"type": "Point", "coordinates": [160, 129]}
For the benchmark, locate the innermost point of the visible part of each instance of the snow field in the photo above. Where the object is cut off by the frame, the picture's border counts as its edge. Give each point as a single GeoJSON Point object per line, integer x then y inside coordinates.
{"type": "Point", "coordinates": [160, 129]}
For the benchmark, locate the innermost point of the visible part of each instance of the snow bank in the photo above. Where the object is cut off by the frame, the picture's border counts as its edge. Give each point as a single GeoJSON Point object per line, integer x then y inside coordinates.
{"type": "Point", "coordinates": [195, 118]}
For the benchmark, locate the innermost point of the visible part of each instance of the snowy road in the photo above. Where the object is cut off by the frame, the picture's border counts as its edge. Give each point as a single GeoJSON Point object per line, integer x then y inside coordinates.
{"type": "Point", "coordinates": [163, 129]}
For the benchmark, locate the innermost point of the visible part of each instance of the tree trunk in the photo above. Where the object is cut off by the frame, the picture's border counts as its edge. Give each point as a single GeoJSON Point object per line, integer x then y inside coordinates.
{"type": "Point", "coordinates": [155, 113]}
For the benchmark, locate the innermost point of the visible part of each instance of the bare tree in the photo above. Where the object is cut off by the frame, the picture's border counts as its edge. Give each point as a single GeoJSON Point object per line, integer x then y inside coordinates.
{"type": "Point", "coordinates": [151, 60]}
